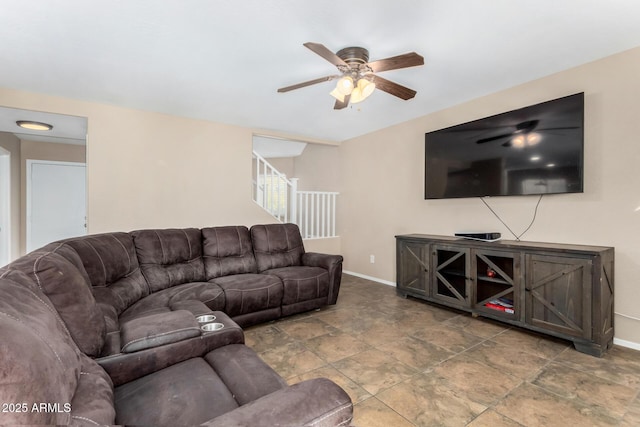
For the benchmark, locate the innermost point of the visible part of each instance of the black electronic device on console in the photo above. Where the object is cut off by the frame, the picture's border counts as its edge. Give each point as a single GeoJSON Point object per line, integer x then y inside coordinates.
{"type": "Point", "coordinates": [485, 237]}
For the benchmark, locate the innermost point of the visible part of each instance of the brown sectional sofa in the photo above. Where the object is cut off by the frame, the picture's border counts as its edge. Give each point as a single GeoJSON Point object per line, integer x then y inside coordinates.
{"type": "Point", "coordinates": [102, 329]}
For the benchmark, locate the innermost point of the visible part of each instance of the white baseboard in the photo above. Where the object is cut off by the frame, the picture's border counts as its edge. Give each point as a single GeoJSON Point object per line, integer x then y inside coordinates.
{"type": "Point", "coordinates": [625, 343]}
{"type": "Point", "coordinates": [616, 341]}
{"type": "Point", "coordinates": [373, 279]}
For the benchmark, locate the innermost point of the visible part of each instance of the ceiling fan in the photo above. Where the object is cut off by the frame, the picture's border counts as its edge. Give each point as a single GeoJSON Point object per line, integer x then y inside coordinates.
{"type": "Point", "coordinates": [357, 78]}
{"type": "Point", "coordinates": [523, 135]}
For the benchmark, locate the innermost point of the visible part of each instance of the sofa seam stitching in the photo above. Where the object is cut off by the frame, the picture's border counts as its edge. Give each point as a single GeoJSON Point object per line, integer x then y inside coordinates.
{"type": "Point", "coordinates": [324, 417]}
{"type": "Point", "coordinates": [78, 417]}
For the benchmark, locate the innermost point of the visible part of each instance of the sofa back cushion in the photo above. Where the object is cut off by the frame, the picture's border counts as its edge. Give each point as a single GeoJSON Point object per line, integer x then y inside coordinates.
{"type": "Point", "coordinates": [111, 264]}
{"type": "Point", "coordinates": [277, 245]}
{"type": "Point", "coordinates": [39, 360]}
{"type": "Point", "coordinates": [67, 287]}
{"type": "Point", "coordinates": [169, 257]}
{"type": "Point", "coordinates": [227, 251]}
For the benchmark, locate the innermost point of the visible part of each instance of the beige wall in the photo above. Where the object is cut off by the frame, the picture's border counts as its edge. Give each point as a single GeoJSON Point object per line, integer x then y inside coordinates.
{"type": "Point", "coordinates": [12, 144]}
{"type": "Point", "coordinates": [147, 170]}
{"type": "Point", "coordinates": [318, 168]}
{"type": "Point", "coordinates": [382, 181]}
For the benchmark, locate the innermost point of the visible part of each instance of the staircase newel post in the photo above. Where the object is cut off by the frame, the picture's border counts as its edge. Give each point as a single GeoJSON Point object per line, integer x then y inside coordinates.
{"type": "Point", "coordinates": [293, 200]}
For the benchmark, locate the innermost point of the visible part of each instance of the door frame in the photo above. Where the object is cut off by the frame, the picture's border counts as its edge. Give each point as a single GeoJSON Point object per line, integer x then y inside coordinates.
{"type": "Point", "coordinates": [5, 207]}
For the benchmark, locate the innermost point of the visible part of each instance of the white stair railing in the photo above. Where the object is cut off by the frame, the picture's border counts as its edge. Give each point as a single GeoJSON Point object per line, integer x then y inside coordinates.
{"type": "Point", "coordinates": [316, 214]}
{"type": "Point", "coordinates": [313, 211]}
{"type": "Point", "coordinates": [271, 189]}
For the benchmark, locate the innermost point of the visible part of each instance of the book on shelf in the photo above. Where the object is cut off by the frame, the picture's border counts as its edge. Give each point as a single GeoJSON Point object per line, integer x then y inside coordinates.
{"type": "Point", "coordinates": [500, 305]}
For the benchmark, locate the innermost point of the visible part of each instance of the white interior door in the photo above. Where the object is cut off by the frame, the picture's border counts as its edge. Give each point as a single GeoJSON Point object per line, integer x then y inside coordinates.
{"type": "Point", "coordinates": [5, 206]}
{"type": "Point", "coordinates": [56, 201]}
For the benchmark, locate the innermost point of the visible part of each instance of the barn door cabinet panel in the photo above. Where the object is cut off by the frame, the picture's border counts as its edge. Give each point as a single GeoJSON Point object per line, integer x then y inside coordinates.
{"type": "Point", "coordinates": [561, 290]}
{"type": "Point", "coordinates": [413, 266]}
{"type": "Point", "coordinates": [451, 275]}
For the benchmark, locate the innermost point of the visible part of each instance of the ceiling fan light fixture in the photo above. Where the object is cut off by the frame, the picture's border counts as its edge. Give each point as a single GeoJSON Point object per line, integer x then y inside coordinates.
{"type": "Point", "coordinates": [345, 85]}
{"type": "Point", "coordinates": [356, 96]}
{"type": "Point", "coordinates": [31, 125]}
{"type": "Point", "coordinates": [337, 94]}
{"type": "Point", "coordinates": [362, 91]}
{"type": "Point", "coordinates": [366, 87]}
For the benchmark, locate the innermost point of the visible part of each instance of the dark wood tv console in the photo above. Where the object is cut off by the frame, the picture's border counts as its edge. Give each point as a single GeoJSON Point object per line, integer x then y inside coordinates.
{"type": "Point", "coordinates": [557, 289]}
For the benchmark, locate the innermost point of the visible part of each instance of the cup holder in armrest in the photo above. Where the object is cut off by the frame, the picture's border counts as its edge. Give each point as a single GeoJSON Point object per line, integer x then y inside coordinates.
{"type": "Point", "coordinates": [210, 327]}
{"type": "Point", "coordinates": [206, 318]}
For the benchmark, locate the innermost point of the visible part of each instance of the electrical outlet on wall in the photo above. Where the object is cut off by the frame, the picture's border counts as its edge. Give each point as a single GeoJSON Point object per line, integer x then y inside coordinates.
{"type": "Point", "coordinates": [372, 259]}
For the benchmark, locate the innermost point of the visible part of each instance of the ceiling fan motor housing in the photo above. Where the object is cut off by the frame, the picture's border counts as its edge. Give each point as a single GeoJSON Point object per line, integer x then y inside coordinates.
{"type": "Point", "coordinates": [354, 56]}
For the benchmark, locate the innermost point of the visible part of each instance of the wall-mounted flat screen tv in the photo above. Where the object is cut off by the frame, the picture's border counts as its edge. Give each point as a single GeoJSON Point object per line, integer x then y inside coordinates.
{"type": "Point", "coordinates": [533, 150]}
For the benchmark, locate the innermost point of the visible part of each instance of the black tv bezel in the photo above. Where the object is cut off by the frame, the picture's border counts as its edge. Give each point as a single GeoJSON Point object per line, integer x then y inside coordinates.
{"type": "Point", "coordinates": [521, 111]}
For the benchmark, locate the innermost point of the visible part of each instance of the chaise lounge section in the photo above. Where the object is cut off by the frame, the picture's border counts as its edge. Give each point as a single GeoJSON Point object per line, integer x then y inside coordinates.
{"type": "Point", "coordinates": [103, 329]}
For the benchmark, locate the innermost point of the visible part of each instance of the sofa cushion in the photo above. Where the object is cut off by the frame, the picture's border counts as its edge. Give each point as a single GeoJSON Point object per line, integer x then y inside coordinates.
{"type": "Point", "coordinates": [68, 290]}
{"type": "Point", "coordinates": [40, 362]}
{"type": "Point", "coordinates": [187, 393]}
{"type": "Point", "coordinates": [227, 251]}
{"type": "Point", "coordinates": [302, 283]}
{"type": "Point", "coordinates": [112, 266]}
{"type": "Point", "coordinates": [169, 257]}
{"type": "Point", "coordinates": [276, 245]}
{"type": "Point", "coordinates": [244, 373]}
{"type": "Point", "coordinates": [317, 402]}
{"type": "Point", "coordinates": [248, 293]}
{"type": "Point", "coordinates": [162, 301]}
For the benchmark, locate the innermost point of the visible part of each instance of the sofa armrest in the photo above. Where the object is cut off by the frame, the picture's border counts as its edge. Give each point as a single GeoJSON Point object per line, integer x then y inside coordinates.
{"type": "Point", "coordinates": [331, 263]}
{"type": "Point", "coordinates": [318, 402]}
{"type": "Point", "coordinates": [326, 261]}
{"type": "Point", "coordinates": [158, 329]}
{"type": "Point", "coordinates": [125, 367]}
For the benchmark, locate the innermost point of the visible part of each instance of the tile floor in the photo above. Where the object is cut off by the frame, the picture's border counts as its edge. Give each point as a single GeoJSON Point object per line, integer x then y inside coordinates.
{"type": "Point", "coordinates": [407, 363]}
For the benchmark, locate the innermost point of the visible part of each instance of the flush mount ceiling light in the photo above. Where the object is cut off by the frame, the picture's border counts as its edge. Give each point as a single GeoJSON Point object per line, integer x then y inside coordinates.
{"type": "Point", "coordinates": [357, 79]}
{"type": "Point", "coordinates": [31, 125]}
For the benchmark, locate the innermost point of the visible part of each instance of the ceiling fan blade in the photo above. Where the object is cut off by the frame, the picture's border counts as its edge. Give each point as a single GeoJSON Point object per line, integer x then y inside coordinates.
{"type": "Point", "coordinates": [305, 84]}
{"type": "Point", "coordinates": [393, 88]}
{"type": "Point", "coordinates": [326, 54]}
{"type": "Point", "coordinates": [395, 62]}
{"type": "Point", "coordinates": [493, 138]}
{"type": "Point", "coordinates": [562, 128]}
{"type": "Point", "coordinates": [340, 105]}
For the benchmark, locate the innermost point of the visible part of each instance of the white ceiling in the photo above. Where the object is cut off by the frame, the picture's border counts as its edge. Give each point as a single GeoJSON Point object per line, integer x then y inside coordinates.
{"type": "Point", "coordinates": [224, 60]}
